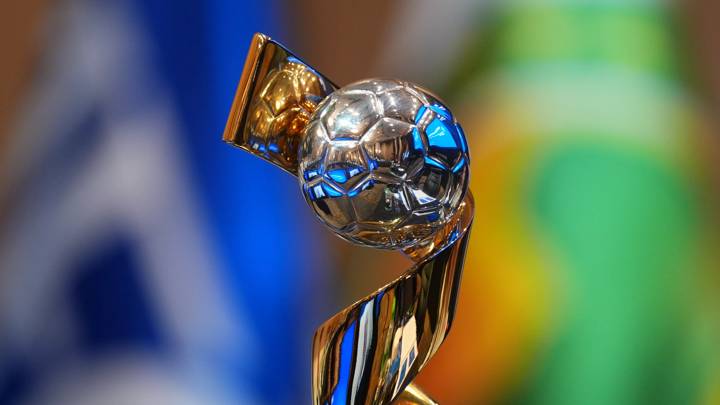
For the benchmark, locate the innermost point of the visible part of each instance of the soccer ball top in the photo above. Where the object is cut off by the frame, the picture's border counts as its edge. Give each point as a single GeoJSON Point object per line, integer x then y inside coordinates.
{"type": "Point", "coordinates": [383, 163]}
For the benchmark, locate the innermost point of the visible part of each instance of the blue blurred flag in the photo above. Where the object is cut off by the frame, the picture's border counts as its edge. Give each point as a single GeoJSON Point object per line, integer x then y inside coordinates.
{"type": "Point", "coordinates": [143, 261]}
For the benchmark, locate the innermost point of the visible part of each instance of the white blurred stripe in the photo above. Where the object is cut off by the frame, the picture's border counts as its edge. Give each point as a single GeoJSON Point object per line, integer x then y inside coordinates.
{"type": "Point", "coordinates": [427, 37]}
{"type": "Point", "coordinates": [124, 378]}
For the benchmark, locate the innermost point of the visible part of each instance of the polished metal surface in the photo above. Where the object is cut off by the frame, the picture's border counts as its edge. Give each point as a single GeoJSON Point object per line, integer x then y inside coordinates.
{"type": "Point", "coordinates": [369, 352]}
{"type": "Point", "coordinates": [382, 163]}
{"type": "Point", "coordinates": [275, 98]}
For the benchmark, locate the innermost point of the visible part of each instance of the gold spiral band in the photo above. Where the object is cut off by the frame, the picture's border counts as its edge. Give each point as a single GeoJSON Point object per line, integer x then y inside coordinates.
{"type": "Point", "coordinates": [371, 351]}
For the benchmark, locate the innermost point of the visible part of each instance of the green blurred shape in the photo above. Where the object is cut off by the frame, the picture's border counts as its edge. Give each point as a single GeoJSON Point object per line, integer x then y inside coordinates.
{"type": "Point", "coordinates": [624, 226]}
{"type": "Point", "coordinates": [628, 36]}
{"type": "Point", "coordinates": [622, 221]}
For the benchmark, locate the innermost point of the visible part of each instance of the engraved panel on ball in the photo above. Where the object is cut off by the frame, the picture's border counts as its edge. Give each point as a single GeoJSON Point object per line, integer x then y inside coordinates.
{"type": "Point", "coordinates": [383, 204]}
{"type": "Point", "coordinates": [430, 187]}
{"type": "Point", "coordinates": [349, 114]}
{"type": "Point", "coordinates": [441, 133]}
{"type": "Point", "coordinates": [459, 178]}
{"type": "Point", "coordinates": [392, 149]}
{"type": "Point", "coordinates": [400, 104]}
{"type": "Point", "coordinates": [376, 86]}
{"type": "Point", "coordinates": [312, 152]}
{"type": "Point", "coordinates": [330, 204]}
{"type": "Point", "coordinates": [374, 237]}
{"type": "Point", "coordinates": [422, 223]}
{"type": "Point", "coordinates": [345, 164]}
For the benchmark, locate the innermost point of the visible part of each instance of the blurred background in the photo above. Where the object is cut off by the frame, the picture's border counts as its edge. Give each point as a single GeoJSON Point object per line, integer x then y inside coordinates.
{"type": "Point", "coordinates": [143, 261]}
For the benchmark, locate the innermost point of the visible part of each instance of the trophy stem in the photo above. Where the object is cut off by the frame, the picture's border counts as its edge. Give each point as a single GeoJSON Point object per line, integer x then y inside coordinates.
{"type": "Point", "coordinates": [371, 351]}
{"type": "Point", "coordinates": [414, 396]}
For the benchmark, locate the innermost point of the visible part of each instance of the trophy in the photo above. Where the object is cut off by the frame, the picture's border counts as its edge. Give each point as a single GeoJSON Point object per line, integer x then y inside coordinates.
{"type": "Point", "coordinates": [384, 164]}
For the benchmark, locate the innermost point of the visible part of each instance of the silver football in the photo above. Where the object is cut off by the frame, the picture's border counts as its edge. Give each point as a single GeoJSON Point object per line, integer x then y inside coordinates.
{"type": "Point", "coordinates": [383, 163]}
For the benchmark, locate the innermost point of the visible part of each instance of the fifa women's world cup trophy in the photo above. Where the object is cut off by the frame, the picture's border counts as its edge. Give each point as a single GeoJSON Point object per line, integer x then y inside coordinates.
{"type": "Point", "coordinates": [384, 164]}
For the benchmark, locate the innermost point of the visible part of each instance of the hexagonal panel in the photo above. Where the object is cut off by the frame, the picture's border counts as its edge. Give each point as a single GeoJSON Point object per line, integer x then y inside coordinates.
{"type": "Point", "coordinates": [313, 149]}
{"type": "Point", "coordinates": [350, 114]}
{"type": "Point", "coordinates": [330, 204]}
{"type": "Point", "coordinates": [459, 183]}
{"type": "Point", "coordinates": [382, 205]}
{"type": "Point", "coordinates": [426, 216]}
{"type": "Point", "coordinates": [400, 104]}
{"type": "Point", "coordinates": [369, 236]}
{"type": "Point", "coordinates": [420, 93]}
{"type": "Point", "coordinates": [393, 149]}
{"type": "Point", "coordinates": [421, 224]}
{"type": "Point", "coordinates": [442, 138]}
{"type": "Point", "coordinates": [463, 139]}
{"type": "Point", "coordinates": [376, 86]}
{"type": "Point", "coordinates": [430, 186]}
{"type": "Point", "coordinates": [345, 164]}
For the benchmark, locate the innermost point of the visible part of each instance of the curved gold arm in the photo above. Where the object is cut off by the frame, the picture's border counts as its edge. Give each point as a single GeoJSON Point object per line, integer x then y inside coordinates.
{"type": "Point", "coordinates": [275, 97]}
{"type": "Point", "coordinates": [371, 351]}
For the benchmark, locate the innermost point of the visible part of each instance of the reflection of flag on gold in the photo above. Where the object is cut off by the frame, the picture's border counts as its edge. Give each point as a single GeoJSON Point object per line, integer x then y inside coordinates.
{"type": "Point", "coordinates": [588, 278]}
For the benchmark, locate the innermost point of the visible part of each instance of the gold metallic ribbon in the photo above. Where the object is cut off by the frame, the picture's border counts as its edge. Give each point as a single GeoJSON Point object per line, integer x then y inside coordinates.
{"type": "Point", "coordinates": [371, 351]}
